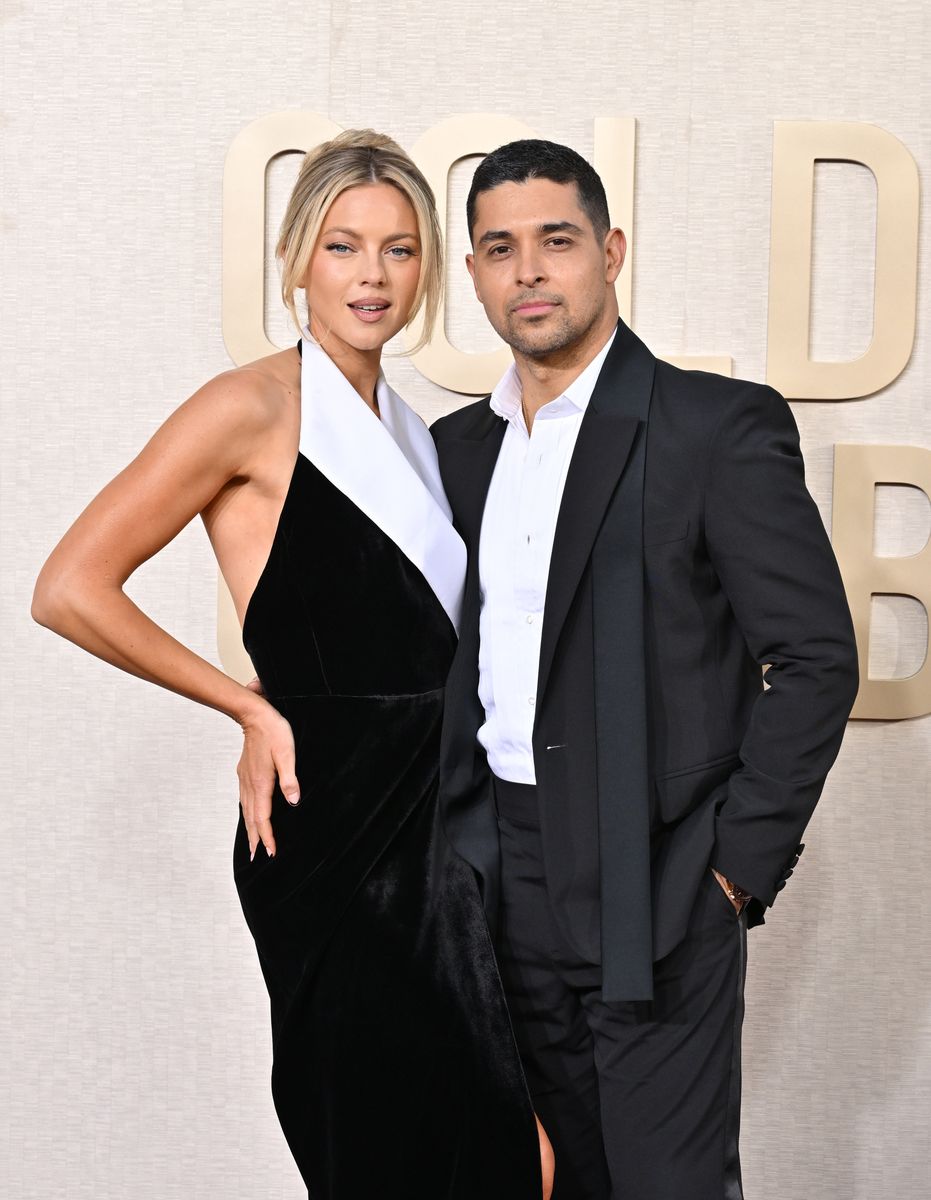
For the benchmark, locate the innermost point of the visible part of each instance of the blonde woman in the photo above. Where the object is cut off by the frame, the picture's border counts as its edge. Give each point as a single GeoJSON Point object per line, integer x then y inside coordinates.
{"type": "Point", "coordinates": [395, 1072]}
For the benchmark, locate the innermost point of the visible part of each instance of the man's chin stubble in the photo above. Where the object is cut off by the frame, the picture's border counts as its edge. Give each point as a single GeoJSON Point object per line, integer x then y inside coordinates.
{"type": "Point", "coordinates": [546, 343]}
{"type": "Point", "coordinates": [540, 344]}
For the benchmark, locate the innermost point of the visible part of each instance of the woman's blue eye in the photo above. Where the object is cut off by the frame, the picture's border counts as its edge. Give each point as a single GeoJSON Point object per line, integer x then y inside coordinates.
{"type": "Point", "coordinates": [338, 246]}
{"type": "Point", "coordinates": [401, 251]}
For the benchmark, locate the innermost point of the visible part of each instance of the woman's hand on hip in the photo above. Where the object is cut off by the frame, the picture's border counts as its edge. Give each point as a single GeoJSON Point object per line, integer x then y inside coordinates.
{"type": "Point", "coordinates": [267, 756]}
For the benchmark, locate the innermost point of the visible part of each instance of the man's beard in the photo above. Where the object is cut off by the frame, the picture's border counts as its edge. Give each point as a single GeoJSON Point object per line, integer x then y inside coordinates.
{"type": "Point", "coordinates": [561, 333]}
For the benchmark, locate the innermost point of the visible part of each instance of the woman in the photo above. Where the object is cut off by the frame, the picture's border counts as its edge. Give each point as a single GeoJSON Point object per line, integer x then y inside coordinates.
{"type": "Point", "coordinates": [395, 1071]}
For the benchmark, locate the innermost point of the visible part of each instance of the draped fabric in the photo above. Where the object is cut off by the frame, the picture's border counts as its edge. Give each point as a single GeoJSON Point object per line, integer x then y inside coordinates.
{"type": "Point", "coordinates": [395, 1071]}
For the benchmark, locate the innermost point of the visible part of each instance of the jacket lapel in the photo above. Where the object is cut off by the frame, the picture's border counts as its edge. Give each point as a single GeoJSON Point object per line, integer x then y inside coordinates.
{"type": "Point", "coordinates": [622, 736]}
{"type": "Point", "coordinates": [602, 451]}
{"type": "Point", "coordinates": [468, 464]}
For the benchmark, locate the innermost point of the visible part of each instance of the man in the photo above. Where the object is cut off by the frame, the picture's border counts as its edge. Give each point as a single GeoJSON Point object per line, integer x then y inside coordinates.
{"type": "Point", "coordinates": [631, 794]}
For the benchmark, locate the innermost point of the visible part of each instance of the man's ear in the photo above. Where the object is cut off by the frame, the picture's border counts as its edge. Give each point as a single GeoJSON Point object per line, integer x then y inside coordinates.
{"type": "Point", "coordinates": [470, 264]}
{"type": "Point", "coordinates": [615, 253]}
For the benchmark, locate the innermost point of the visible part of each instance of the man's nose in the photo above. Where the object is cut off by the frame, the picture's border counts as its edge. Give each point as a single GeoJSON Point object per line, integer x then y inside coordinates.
{"type": "Point", "coordinates": [530, 270]}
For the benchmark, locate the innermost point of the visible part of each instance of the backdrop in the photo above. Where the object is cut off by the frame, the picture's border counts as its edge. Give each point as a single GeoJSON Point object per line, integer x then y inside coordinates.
{"type": "Point", "coordinates": [134, 1017]}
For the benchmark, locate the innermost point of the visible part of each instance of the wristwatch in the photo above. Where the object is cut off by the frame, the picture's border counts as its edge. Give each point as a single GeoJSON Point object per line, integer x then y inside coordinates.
{"type": "Point", "coordinates": [736, 894]}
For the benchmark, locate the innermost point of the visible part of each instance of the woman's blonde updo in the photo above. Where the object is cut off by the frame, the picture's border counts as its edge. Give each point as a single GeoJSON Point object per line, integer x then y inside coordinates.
{"type": "Point", "coordinates": [352, 158]}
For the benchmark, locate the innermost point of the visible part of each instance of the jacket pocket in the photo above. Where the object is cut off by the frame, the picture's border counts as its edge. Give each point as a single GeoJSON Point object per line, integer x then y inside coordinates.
{"type": "Point", "coordinates": [680, 792]}
{"type": "Point", "coordinates": [669, 529]}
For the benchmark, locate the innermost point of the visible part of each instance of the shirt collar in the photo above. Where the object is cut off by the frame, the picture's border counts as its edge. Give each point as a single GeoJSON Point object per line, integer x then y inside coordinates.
{"type": "Point", "coordinates": [505, 400]}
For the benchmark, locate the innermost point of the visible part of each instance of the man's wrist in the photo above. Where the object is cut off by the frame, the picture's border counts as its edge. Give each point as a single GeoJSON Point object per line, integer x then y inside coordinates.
{"type": "Point", "coordinates": [735, 893]}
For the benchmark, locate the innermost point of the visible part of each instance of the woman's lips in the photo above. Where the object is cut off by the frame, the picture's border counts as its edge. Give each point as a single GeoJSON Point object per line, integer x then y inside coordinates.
{"type": "Point", "coordinates": [370, 313]}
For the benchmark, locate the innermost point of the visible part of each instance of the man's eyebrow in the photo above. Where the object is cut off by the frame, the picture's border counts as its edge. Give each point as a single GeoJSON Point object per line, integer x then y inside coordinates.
{"type": "Point", "coordinates": [505, 235]}
{"type": "Point", "coordinates": [495, 235]}
{"type": "Point", "coordinates": [561, 227]}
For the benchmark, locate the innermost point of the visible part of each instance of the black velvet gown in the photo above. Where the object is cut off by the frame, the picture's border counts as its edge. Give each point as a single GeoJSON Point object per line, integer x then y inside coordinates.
{"type": "Point", "coordinates": [395, 1071]}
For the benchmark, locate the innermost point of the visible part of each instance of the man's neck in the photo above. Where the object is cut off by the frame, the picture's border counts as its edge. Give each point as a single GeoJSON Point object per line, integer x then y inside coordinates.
{"type": "Point", "coordinates": [543, 379]}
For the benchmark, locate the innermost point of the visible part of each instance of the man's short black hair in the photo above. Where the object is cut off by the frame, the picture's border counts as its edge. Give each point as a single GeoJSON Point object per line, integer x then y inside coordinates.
{"type": "Point", "coordinates": [532, 158]}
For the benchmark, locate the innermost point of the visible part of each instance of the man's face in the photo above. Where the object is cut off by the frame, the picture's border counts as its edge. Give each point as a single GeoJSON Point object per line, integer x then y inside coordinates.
{"type": "Point", "coordinates": [543, 277]}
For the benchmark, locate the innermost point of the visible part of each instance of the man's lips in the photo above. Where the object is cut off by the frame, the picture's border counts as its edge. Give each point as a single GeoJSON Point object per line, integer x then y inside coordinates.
{"type": "Point", "coordinates": [534, 308]}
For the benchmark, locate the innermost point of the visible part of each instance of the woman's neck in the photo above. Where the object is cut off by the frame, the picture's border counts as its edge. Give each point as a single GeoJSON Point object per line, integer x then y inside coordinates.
{"type": "Point", "coordinates": [360, 367]}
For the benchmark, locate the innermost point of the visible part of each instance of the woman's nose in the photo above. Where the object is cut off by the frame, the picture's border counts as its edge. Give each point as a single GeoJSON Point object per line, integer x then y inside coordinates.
{"type": "Point", "coordinates": [373, 270]}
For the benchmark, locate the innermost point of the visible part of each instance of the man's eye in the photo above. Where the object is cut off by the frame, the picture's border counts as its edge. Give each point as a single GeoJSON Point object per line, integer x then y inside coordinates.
{"type": "Point", "coordinates": [559, 242]}
{"type": "Point", "coordinates": [498, 251]}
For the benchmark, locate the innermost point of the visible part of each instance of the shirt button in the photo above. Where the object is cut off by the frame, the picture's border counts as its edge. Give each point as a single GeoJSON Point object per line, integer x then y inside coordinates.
{"type": "Point", "coordinates": [531, 700]}
{"type": "Point", "coordinates": [529, 618]}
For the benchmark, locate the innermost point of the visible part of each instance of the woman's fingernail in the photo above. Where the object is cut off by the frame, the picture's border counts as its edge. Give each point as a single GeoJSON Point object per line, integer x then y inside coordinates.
{"type": "Point", "coordinates": [252, 856]}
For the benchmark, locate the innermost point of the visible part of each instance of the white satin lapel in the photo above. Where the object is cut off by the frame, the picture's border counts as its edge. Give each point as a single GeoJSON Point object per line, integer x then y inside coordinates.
{"type": "Point", "coordinates": [386, 467]}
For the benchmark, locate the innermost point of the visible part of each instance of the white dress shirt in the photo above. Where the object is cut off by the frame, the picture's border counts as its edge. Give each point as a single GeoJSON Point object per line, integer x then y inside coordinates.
{"type": "Point", "coordinates": [515, 546]}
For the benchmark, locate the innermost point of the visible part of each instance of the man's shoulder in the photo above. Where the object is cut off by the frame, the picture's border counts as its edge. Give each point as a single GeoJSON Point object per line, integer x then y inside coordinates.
{"type": "Point", "coordinates": [707, 397]}
{"type": "Point", "coordinates": [463, 422]}
{"type": "Point", "coordinates": [707, 385]}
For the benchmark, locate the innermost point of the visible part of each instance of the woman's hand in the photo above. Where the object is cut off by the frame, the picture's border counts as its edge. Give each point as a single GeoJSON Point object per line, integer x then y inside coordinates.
{"type": "Point", "coordinates": [547, 1160]}
{"type": "Point", "coordinates": [267, 755]}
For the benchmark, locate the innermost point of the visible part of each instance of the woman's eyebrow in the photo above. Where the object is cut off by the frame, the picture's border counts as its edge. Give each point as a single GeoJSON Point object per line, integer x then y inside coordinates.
{"type": "Point", "coordinates": [358, 236]}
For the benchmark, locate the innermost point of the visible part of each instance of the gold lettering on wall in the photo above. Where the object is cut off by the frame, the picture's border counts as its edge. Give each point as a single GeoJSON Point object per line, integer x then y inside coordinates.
{"type": "Point", "coordinates": [857, 471]}
{"type": "Point", "coordinates": [797, 145]}
{"type": "Point", "coordinates": [436, 152]}
{"type": "Point", "coordinates": [243, 287]}
{"type": "Point", "coordinates": [456, 138]}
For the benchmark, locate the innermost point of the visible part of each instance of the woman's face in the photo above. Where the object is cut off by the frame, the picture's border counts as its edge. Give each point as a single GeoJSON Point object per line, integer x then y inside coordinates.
{"type": "Point", "coordinates": [364, 270]}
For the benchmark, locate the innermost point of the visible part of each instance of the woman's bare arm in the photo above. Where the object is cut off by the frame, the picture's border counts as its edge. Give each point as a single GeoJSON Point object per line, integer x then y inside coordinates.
{"type": "Point", "coordinates": [205, 446]}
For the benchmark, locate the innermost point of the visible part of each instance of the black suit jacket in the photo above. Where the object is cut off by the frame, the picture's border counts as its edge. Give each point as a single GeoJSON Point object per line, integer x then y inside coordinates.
{"type": "Point", "coordinates": [687, 554]}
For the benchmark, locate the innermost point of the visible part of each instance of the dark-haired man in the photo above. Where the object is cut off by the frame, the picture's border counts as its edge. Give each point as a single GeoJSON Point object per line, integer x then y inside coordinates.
{"type": "Point", "coordinates": [641, 543]}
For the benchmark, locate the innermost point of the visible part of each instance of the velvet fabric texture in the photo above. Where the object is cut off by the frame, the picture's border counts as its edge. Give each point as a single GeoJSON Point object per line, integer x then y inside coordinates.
{"type": "Point", "coordinates": [395, 1070]}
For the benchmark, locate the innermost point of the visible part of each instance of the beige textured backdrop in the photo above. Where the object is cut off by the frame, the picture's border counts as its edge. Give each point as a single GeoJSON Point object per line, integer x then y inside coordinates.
{"type": "Point", "coordinates": [134, 1019]}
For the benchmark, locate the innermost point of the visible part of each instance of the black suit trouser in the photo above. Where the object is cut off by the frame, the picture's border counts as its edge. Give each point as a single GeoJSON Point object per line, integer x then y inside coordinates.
{"type": "Point", "coordinates": [640, 1100]}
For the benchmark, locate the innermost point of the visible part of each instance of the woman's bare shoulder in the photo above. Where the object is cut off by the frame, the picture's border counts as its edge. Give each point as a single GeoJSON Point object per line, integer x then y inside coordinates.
{"type": "Point", "coordinates": [251, 397]}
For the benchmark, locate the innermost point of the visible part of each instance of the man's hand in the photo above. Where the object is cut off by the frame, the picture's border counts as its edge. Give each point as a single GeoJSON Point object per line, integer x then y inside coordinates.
{"type": "Point", "coordinates": [738, 901]}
